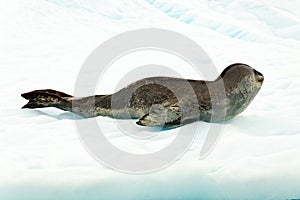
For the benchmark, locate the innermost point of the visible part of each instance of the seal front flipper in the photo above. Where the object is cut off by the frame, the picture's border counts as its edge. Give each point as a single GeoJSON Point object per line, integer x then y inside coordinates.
{"type": "Point", "coordinates": [162, 116]}
{"type": "Point", "coordinates": [48, 98]}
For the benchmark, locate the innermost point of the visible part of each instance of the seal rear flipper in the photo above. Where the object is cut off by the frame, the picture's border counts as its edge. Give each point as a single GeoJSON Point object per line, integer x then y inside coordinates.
{"type": "Point", "coordinates": [33, 104]}
{"type": "Point", "coordinates": [33, 94]}
{"type": "Point", "coordinates": [47, 98]}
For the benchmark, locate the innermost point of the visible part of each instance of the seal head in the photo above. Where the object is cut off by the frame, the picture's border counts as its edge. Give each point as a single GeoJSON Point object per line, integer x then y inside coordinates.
{"type": "Point", "coordinates": [242, 83]}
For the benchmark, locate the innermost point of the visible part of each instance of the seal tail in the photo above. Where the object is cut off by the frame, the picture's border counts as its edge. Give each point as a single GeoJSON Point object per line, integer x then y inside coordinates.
{"type": "Point", "coordinates": [48, 98]}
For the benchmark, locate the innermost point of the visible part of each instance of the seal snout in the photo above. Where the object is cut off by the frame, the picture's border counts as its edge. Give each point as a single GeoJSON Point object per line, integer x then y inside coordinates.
{"type": "Point", "coordinates": [259, 76]}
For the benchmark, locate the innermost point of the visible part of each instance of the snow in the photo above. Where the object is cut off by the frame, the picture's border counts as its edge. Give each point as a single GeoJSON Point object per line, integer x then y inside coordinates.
{"type": "Point", "coordinates": [45, 42]}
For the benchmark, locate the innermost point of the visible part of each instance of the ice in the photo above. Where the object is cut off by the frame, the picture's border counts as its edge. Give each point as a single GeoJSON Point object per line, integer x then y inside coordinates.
{"type": "Point", "coordinates": [45, 42]}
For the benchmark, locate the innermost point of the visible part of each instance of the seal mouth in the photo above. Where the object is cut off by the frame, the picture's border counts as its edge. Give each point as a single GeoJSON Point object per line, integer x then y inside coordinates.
{"type": "Point", "coordinates": [260, 79]}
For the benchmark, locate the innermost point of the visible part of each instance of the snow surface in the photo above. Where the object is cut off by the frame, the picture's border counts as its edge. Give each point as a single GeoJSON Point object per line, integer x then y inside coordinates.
{"type": "Point", "coordinates": [45, 42]}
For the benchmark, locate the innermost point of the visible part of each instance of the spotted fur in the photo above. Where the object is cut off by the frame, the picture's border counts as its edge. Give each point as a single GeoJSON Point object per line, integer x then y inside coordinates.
{"type": "Point", "coordinates": [164, 101]}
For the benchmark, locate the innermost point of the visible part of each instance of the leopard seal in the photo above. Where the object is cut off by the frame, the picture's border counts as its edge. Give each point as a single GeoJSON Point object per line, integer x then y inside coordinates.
{"type": "Point", "coordinates": [154, 103]}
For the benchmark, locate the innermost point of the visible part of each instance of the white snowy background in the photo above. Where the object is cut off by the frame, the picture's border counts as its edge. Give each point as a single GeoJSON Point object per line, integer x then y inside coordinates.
{"type": "Point", "coordinates": [43, 44]}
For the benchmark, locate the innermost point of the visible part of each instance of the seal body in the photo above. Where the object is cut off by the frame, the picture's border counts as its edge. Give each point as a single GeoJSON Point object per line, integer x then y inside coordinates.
{"type": "Point", "coordinates": [164, 101]}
